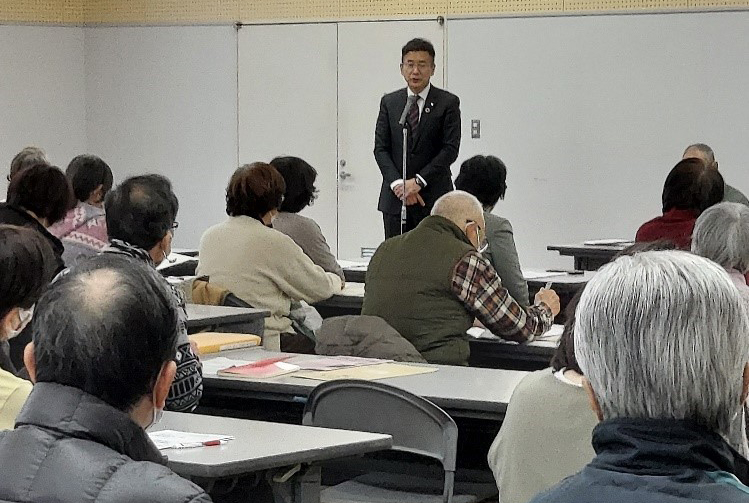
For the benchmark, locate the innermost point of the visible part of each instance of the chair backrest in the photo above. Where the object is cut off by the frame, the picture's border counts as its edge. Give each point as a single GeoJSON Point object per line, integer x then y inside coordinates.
{"type": "Point", "coordinates": [416, 424]}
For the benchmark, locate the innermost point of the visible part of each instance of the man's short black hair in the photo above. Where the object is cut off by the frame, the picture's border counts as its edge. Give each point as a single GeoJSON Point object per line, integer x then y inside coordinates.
{"type": "Point", "coordinates": [27, 265]}
{"type": "Point", "coordinates": [418, 44]}
{"type": "Point", "coordinates": [86, 172]}
{"type": "Point", "coordinates": [485, 177]}
{"type": "Point", "coordinates": [107, 327]}
{"type": "Point", "coordinates": [141, 210]}
{"type": "Point", "coordinates": [300, 178]}
{"type": "Point", "coordinates": [691, 185]}
{"type": "Point", "coordinates": [42, 189]}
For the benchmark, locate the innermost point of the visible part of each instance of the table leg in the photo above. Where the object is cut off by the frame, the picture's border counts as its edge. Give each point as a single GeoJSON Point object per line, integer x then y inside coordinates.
{"type": "Point", "coordinates": [300, 484]}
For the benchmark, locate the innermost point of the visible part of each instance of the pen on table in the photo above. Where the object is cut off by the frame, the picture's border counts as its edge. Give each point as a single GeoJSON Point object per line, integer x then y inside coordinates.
{"type": "Point", "coordinates": [207, 443]}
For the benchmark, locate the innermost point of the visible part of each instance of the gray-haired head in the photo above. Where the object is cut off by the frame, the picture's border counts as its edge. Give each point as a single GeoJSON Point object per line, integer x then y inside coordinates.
{"type": "Point", "coordinates": [107, 328]}
{"type": "Point", "coordinates": [460, 208]}
{"type": "Point", "coordinates": [29, 156]}
{"type": "Point", "coordinates": [721, 234]}
{"type": "Point", "coordinates": [703, 152]}
{"type": "Point", "coordinates": [664, 335]}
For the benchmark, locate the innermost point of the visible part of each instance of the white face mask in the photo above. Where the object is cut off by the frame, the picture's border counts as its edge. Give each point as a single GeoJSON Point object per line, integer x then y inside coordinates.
{"type": "Point", "coordinates": [24, 315]}
{"type": "Point", "coordinates": [157, 415]}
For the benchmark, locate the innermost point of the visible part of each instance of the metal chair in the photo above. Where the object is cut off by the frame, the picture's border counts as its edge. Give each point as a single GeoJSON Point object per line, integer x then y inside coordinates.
{"type": "Point", "coordinates": [416, 425]}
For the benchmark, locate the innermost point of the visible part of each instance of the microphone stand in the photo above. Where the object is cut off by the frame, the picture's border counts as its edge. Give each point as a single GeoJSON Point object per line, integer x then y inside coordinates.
{"type": "Point", "coordinates": [405, 159]}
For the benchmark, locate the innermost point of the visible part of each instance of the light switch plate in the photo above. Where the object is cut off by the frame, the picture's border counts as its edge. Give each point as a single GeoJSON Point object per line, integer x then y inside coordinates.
{"type": "Point", "coordinates": [475, 128]}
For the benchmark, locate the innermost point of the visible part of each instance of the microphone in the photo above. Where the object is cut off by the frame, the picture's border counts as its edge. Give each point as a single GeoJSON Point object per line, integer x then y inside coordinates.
{"type": "Point", "coordinates": [409, 103]}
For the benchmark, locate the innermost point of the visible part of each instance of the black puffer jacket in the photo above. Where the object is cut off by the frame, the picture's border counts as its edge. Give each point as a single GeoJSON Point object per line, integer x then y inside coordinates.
{"type": "Point", "coordinates": [655, 461]}
{"type": "Point", "coordinates": [69, 446]}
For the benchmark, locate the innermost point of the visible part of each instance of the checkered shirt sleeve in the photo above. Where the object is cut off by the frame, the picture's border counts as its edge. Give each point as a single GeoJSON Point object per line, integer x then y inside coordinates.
{"type": "Point", "coordinates": [477, 285]}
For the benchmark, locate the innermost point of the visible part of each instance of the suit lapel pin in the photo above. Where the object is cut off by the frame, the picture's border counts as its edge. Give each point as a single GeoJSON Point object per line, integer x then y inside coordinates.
{"type": "Point", "coordinates": [427, 109]}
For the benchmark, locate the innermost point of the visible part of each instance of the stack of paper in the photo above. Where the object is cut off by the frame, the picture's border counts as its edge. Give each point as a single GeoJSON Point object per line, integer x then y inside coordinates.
{"type": "Point", "coordinates": [171, 439]}
{"type": "Point", "coordinates": [213, 342]}
{"type": "Point", "coordinates": [332, 362]}
{"type": "Point", "coordinates": [607, 242]}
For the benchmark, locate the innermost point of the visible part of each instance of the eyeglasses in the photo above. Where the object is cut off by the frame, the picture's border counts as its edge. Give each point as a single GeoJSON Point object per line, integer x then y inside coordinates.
{"type": "Point", "coordinates": [173, 227]}
{"type": "Point", "coordinates": [410, 65]}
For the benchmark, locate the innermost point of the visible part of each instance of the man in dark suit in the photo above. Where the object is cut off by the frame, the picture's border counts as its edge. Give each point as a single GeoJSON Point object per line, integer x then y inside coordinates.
{"type": "Point", "coordinates": [433, 123]}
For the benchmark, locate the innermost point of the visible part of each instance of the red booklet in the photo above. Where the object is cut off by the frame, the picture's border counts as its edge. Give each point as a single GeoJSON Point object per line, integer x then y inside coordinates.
{"type": "Point", "coordinates": [270, 367]}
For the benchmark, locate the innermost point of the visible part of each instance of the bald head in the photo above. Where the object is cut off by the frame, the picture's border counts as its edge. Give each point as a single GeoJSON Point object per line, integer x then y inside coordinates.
{"type": "Point", "coordinates": [460, 208]}
{"type": "Point", "coordinates": [702, 152]}
{"type": "Point", "coordinates": [107, 328]}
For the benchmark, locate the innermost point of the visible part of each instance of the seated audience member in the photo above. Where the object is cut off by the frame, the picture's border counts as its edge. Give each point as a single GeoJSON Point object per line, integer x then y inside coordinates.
{"type": "Point", "coordinates": [722, 235]}
{"type": "Point", "coordinates": [29, 156]}
{"type": "Point", "coordinates": [430, 283]}
{"type": "Point", "coordinates": [484, 177]}
{"type": "Point", "coordinates": [141, 218]}
{"type": "Point", "coordinates": [549, 413]}
{"type": "Point", "coordinates": [663, 341]}
{"type": "Point", "coordinates": [26, 268]}
{"type": "Point", "coordinates": [690, 188]}
{"type": "Point", "coordinates": [706, 155]}
{"type": "Point", "coordinates": [38, 197]}
{"type": "Point", "coordinates": [259, 264]}
{"type": "Point", "coordinates": [545, 435]}
{"type": "Point", "coordinates": [102, 362]}
{"type": "Point", "coordinates": [83, 231]}
{"type": "Point", "coordinates": [299, 178]}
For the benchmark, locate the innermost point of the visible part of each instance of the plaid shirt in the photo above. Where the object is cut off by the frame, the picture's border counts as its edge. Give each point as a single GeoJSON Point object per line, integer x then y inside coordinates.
{"type": "Point", "coordinates": [477, 285]}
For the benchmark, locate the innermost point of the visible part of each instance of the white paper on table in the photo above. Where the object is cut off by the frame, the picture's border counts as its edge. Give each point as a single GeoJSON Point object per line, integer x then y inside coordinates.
{"type": "Point", "coordinates": [481, 333]}
{"type": "Point", "coordinates": [176, 259]}
{"type": "Point", "coordinates": [536, 274]}
{"type": "Point", "coordinates": [212, 366]}
{"type": "Point", "coordinates": [352, 290]}
{"type": "Point", "coordinates": [172, 439]}
{"type": "Point", "coordinates": [333, 362]}
{"type": "Point", "coordinates": [607, 242]}
{"type": "Point", "coordinates": [354, 265]}
{"type": "Point", "coordinates": [555, 331]}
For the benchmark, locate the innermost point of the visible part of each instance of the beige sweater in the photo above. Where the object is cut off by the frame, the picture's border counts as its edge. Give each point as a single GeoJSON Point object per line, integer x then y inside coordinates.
{"type": "Point", "coordinates": [264, 268]}
{"type": "Point", "coordinates": [545, 437]}
{"type": "Point", "coordinates": [13, 393]}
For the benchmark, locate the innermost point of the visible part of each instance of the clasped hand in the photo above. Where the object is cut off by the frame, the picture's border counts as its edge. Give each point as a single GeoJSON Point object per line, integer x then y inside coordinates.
{"type": "Point", "coordinates": [412, 195]}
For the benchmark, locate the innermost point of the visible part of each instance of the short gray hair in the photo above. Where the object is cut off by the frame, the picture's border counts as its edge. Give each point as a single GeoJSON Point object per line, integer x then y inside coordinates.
{"type": "Point", "coordinates": [704, 150]}
{"type": "Point", "coordinates": [29, 156]}
{"type": "Point", "coordinates": [721, 234]}
{"type": "Point", "coordinates": [664, 335]}
{"type": "Point", "coordinates": [459, 207]}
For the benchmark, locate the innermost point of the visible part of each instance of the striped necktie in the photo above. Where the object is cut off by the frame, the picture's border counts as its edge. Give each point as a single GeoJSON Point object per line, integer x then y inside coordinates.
{"type": "Point", "coordinates": [413, 118]}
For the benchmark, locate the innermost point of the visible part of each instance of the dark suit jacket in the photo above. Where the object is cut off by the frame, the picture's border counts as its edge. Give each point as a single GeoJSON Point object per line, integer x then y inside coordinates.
{"type": "Point", "coordinates": [430, 154]}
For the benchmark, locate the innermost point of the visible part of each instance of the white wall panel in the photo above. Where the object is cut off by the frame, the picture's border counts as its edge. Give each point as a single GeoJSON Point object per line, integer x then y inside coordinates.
{"type": "Point", "coordinates": [163, 100]}
{"type": "Point", "coordinates": [42, 93]}
{"type": "Point", "coordinates": [590, 114]}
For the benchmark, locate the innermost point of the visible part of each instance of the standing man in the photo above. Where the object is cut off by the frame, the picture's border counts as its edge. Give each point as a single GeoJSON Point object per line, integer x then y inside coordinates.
{"type": "Point", "coordinates": [706, 155]}
{"type": "Point", "coordinates": [433, 122]}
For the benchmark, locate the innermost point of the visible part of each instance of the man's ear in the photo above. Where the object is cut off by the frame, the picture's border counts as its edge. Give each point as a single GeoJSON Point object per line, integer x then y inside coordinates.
{"type": "Point", "coordinates": [592, 400]}
{"type": "Point", "coordinates": [30, 361]}
{"type": "Point", "coordinates": [163, 384]}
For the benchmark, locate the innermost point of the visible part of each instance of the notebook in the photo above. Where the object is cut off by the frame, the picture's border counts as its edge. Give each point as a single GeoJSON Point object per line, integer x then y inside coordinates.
{"type": "Point", "coordinates": [213, 342]}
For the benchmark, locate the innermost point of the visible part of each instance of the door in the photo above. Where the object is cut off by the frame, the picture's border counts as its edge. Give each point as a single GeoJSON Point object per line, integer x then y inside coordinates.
{"type": "Point", "coordinates": [369, 55]}
{"type": "Point", "coordinates": [287, 105]}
